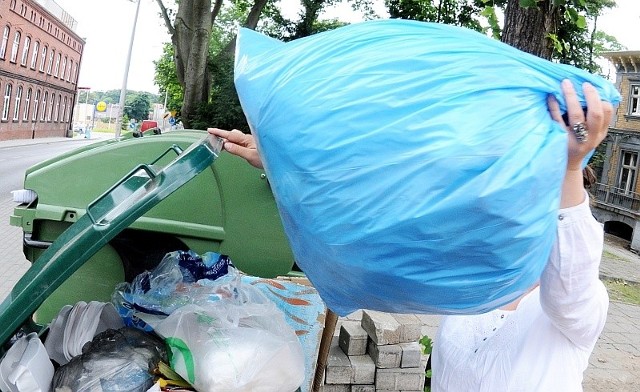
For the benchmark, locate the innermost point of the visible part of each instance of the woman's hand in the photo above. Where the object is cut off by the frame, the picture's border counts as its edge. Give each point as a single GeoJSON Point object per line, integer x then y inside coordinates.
{"type": "Point", "coordinates": [596, 122]}
{"type": "Point", "coordinates": [594, 129]}
{"type": "Point", "coordinates": [240, 144]}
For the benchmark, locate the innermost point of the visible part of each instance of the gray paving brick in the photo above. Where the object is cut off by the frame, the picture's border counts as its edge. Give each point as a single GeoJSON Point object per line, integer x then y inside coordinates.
{"type": "Point", "coordinates": [385, 356]}
{"type": "Point", "coordinates": [353, 338]}
{"type": "Point", "coordinates": [400, 379]}
{"type": "Point", "coordinates": [382, 328]}
{"type": "Point", "coordinates": [338, 369]}
{"type": "Point", "coordinates": [411, 355]}
{"type": "Point", "coordinates": [363, 369]}
{"type": "Point", "coordinates": [363, 388]}
{"type": "Point", "coordinates": [410, 327]}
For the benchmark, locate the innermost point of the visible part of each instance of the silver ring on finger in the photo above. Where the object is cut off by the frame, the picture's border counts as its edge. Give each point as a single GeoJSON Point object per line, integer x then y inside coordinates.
{"type": "Point", "coordinates": [580, 131]}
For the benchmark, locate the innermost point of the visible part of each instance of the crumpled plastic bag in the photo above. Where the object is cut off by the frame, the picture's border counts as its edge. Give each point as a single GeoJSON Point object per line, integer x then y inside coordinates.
{"type": "Point", "coordinates": [223, 335]}
{"type": "Point", "coordinates": [173, 283]}
{"type": "Point", "coordinates": [114, 361]}
{"type": "Point", "coordinates": [415, 165]}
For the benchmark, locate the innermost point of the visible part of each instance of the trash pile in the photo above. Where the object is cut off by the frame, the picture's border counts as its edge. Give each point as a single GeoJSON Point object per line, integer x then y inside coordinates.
{"type": "Point", "coordinates": [191, 324]}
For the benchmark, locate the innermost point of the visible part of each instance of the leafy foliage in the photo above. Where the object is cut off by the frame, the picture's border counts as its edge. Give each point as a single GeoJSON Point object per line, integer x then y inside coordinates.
{"type": "Point", "coordinates": [575, 43]}
{"type": "Point", "coordinates": [455, 12]}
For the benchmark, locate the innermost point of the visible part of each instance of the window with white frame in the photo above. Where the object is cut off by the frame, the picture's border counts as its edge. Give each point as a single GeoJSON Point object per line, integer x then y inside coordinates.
{"type": "Point", "coordinates": [16, 106]}
{"type": "Point", "coordinates": [50, 65]}
{"type": "Point", "coordinates": [5, 102]}
{"type": "Point", "coordinates": [5, 41]}
{"type": "Point", "coordinates": [43, 106]}
{"type": "Point", "coordinates": [25, 51]}
{"type": "Point", "coordinates": [627, 175]}
{"type": "Point", "coordinates": [27, 103]}
{"type": "Point", "coordinates": [64, 110]}
{"type": "Point", "coordinates": [15, 47]}
{"type": "Point", "coordinates": [69, 71]}
{"type": "Point", "coordinates": [56, 113]}
{"type": "Point", "coordinates": [634, 99]}
{"type": "Point", "coordinates": [36, 98]}
{"type": "Point", "coordinates": [43, 58]}
{"type": "Point", "coordinates": [64, 66]}
{"type": "Point", "coordinates": [56, 69]}
{"type": "Point", "coordinates": [51, 102]}
{"type": "Point", "coordinates": [34, 55]}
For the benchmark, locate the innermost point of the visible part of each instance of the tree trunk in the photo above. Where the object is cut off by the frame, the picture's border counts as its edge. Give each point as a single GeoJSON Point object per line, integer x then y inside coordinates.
{"type": "Point", "coordinates": [191, 47]}
{"type": "Point", "coordinates": [528, 28]}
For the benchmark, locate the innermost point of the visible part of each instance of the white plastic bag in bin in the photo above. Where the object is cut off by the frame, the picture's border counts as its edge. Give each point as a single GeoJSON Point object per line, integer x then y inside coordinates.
{"type": "Point", "coordinates": [229, 346]}
{"type": "Point", "coordinates": [26, 366]}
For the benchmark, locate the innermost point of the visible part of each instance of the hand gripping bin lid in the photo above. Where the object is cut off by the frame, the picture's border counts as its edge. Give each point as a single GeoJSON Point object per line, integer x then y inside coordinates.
{"type": "Point", "coordinates": [131, 197]}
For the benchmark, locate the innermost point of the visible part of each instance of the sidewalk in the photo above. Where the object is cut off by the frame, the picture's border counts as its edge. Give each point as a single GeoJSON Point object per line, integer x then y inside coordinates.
{"type": "Point", "coordinates": [95, 136]}
{"type": "Point", "coordinates": [614, 365]}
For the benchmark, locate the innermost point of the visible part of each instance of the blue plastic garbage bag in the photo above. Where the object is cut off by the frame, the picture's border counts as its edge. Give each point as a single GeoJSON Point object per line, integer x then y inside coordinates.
{"type": "Point", "coordinates": [415, 165]}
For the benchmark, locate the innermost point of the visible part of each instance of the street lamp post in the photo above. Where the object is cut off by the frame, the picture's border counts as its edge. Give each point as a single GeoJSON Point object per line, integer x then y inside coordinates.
{"type": "Point", "coordinates": [123, 91]}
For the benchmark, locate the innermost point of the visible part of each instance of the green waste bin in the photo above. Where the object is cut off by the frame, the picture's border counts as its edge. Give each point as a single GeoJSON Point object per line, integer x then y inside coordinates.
{"type": "Point", "coordinates": [227, 207]}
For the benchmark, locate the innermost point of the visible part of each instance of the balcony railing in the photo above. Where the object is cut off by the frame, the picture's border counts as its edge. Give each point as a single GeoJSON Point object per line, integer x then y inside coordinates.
{"type": "Point", "coordinates": [617, 197]}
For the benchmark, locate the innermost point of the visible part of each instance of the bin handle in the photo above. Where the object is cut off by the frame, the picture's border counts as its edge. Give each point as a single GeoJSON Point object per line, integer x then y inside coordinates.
{"type": "Point", "coordinates": [134, 193]}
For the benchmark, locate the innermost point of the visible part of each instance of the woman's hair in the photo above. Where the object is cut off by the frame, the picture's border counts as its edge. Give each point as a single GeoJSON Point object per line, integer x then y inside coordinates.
{"type": "Point", "coordinates": [588, 177]}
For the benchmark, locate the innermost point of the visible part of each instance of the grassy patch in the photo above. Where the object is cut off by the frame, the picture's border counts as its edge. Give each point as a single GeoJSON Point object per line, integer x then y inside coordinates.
{"type": "Point", "coordinates": [621, 290]}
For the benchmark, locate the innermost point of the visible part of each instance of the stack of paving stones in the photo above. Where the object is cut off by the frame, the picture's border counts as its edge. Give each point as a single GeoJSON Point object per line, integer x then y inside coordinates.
{"type": "Point", "coordinates": [378, 353]}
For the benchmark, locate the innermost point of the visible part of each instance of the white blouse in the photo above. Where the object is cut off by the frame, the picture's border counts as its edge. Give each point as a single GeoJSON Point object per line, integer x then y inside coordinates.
{"type": "Point", "coordinates": [543, 345]}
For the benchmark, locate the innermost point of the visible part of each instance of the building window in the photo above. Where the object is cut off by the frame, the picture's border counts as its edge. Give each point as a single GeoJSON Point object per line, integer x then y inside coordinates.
{"type": "Point", "coordinates": [5, 102]}
{"type": "Point", "coordinates": [69, 71]}
{"type": "Point", "coordinates": [56, 69]}
{"type": "Point", "coordinates": [43, 107]}
{"type": "Point", "coordinates": [14, 48]}
{"type": "Point", "coordinates": [43, 58]}
{"type": "Point", "coordinates": [50, 111]}
{"type": "Point", "coordinates": [5, 40]}
{"type": "Point", "coordinates": [36, 98]}
{"type": "Point", "coordinates": [634, 99]}
{"type": "Point", "coordinates": [27, 103]}
{"type": "Point", "coordinates": [25, 51]}
{"type": "Point", "coordinates": [64, 110]}
{"type": "Point", "coordinates": [50, 66]}
{"type": "Point", "coordinates": [56, 113]}
{"type": "Point", "coordinates": [16, 106]}
{"type": "Point", "coordinates": [63, 68]}
{"type": "Point", "coordinates": [34, 55]}
{"type": "Point", "coordinates": [627, 175]}
{"type": "Point", "coordinates": [53, 98]}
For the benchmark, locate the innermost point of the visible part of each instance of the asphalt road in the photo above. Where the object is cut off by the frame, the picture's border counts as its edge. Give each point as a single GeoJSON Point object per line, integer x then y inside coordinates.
{"type": "Point", "coordinates": [14, 160]}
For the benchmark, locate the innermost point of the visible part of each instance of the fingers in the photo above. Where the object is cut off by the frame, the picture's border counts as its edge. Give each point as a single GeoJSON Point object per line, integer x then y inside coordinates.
{"type": "Point", "coordinates": [574, 109]}
{"type": "Point", "coordinates": [240, 144]}
{"type": "Point", "coordinates": [595, 115]}
{"type": "Point", "coordinates": [554, 109]}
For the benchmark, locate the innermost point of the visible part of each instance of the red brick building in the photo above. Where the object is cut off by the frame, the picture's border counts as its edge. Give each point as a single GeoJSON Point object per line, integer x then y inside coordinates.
{"type": "Point", "coordinates": [40, 57]}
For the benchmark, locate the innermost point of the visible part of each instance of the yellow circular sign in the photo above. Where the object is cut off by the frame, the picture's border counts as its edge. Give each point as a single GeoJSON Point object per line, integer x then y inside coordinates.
{"type": "Point", "coordinates": [101, 106]}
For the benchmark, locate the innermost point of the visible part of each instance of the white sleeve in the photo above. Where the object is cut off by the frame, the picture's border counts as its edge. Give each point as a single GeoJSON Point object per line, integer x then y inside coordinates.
{"type": "Point", "coordinates": [571, 292]}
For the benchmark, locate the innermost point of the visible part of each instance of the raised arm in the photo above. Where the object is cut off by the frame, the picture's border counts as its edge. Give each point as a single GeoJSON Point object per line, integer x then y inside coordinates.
{"type": "Point", "coordinates": [571, 292]}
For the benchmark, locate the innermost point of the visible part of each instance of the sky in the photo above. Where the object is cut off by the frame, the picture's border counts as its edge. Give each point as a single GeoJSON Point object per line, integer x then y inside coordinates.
{"type": "Point", "coordinates": [106, 26]}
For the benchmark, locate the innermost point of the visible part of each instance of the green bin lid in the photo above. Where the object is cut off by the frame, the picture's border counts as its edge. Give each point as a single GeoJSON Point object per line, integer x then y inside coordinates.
{"type": "Point", "coordinates": [130, 198]}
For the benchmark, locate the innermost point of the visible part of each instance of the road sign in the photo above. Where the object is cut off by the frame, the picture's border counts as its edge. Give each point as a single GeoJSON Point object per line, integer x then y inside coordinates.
{"type": "Point", "coordinates": [101, 106]}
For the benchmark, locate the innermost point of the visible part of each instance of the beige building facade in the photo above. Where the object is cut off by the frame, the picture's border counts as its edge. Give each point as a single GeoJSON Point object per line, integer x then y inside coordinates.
{"type": "Point", "coordinates": [618, 190]}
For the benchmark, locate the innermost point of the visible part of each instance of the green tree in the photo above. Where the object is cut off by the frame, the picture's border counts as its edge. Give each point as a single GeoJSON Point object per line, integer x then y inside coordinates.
{"type": "Point", "coordinates": [465, 13]}
{"type": "Point", "coordinates": [137, 106]}
{"type": "Point", "coordinates": [580, 46]}
{"type": "Point", "coordinates": [190, 28]}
